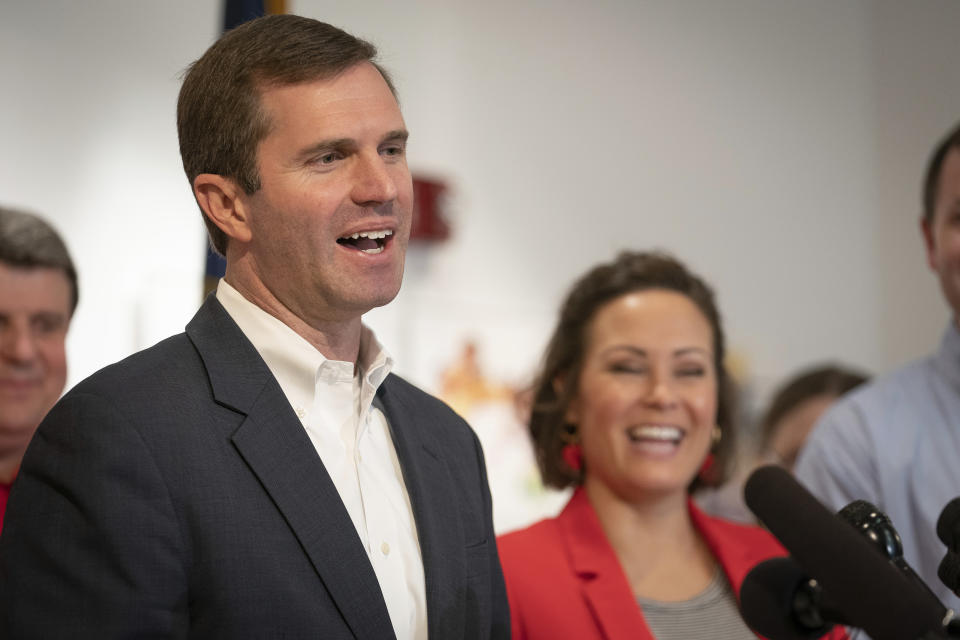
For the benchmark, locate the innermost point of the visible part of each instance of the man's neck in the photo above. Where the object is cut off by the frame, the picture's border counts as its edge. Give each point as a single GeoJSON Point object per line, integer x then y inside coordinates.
{"type": "Point", "coordinates": [336, 338]}
{"type": "Point", "coordinates": [9, 465]}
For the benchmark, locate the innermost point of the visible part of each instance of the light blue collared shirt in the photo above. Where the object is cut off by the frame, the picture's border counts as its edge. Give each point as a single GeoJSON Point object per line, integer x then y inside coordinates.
{"type": "Point", "coordinates": [896, 443]}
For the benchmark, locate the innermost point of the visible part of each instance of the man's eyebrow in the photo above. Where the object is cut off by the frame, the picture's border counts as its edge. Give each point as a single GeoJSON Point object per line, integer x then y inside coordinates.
{"type": "Point", "coordinates": [323, 146]}
{"type": "Point", "coordinates": [400, 135]}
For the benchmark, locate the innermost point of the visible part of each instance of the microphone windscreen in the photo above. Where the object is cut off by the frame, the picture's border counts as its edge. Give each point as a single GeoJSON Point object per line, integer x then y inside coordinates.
{"type": "Point", "coordinates": [948, 525]}
{"type": "Point", "coordinates": [863, 585]}
{"type": "Point", "coordinates": [767, 600]}
{"type": "Point", "coordinates": [857, 512]}
{"type": "Point", "coordinates": [875, 526]}
{"type": "Point", "coordinates": [949, 571]}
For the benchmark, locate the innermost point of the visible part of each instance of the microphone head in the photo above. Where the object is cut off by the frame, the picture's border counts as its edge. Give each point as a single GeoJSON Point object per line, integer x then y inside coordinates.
{"type": "Point", "coordinates": [867, 589]}
{"type": "Point", "coordinates": [948, 525]}
{"type": "Point", "coordinates": [875, 525]}
{"type": "Point", "coordinates": [778, 601]}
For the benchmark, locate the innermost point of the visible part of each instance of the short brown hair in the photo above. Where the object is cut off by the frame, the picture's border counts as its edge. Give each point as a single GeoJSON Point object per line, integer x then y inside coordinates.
{"type": "Point", "coordinates": [931, 182]}
{"type": "Point", "coordinates": [220, 121]}
{"type": "Point", "coordinates": [629, 272]}
{"type": "Point", "coordinates": [28, 241]}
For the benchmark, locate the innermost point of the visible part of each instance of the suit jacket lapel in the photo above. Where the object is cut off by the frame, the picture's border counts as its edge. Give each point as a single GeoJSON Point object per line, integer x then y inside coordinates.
{"type": "Point", "coordinates": [433, 500]}
{"type": "Point", "coordinates": [274, 444]}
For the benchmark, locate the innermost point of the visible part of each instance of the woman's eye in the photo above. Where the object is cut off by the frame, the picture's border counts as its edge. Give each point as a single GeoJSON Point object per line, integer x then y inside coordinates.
{"type": "Point", "coordinates": [627, 368]}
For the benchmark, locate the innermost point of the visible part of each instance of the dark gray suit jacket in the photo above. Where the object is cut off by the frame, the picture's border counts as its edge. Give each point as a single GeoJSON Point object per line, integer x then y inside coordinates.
{"type": "Point", "coordinates": [176, 494]}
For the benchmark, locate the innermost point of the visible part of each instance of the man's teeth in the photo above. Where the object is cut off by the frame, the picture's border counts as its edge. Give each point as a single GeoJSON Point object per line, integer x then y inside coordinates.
{"type": "Point", "coordinates": [373, 235]}
{"type": "Point", "coordinates": [656, 432]}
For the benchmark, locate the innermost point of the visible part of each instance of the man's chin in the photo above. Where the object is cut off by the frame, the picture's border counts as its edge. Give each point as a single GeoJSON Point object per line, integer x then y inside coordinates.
{"type": "Point", "coordinates": [373, 298]}
{"type": "Point", "coordinates": [19, 426]}
{"type": "Point", "coordinates": [951, 291]}
{"type": "Point", "coordinates": [383, 300]}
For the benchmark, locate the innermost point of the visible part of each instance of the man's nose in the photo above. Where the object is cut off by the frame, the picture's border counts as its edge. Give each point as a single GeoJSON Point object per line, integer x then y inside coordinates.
{"type": "Point", "coordinates": [374, 181]}
{"type": "Point", "coordinates": [18, 343]}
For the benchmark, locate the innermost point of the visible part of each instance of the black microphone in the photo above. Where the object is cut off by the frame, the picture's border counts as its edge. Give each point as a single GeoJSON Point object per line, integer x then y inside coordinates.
{"type": "Point", "coordinates": [871, 594]}
{"type": "Point", "coordinates": [949, 571]}
{"type": "Point", "coordinates": [948, 530]}
{"type": "Point", "coordinates": [948, 525]}
{"type": "Point", "coordinates": [780, 601]}
{"type": "Point", "coordinates": [876, 527]}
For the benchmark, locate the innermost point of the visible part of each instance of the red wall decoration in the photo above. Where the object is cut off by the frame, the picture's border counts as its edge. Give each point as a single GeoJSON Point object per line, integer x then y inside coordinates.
{"type": "Point", "coordinates": [429, 219]}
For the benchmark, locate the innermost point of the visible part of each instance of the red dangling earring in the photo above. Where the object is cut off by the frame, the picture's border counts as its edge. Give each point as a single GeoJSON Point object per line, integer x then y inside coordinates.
{"type": "Point", "coordinates": [707, 465]}
{"type": "Point", "coordinates": [573, 456]}
{"type": "Point", "coordinates": [706, 469]}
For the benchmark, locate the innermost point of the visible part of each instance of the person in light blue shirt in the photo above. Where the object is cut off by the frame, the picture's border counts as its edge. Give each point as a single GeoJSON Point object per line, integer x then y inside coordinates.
{"type": "Point", "coordinates": [896, 442]}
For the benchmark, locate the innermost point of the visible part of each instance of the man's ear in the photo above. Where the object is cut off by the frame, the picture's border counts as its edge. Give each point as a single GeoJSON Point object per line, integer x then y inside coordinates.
{"type": "Point", "coordinates": [929, 241]}
{"type": "Point", "coordinates": [222, 201]}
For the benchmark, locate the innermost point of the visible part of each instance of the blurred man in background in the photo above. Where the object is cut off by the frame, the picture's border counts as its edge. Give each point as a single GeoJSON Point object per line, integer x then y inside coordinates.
{"type": "Point", "coordinates": [38, 294]}
{"type": "Point", "coordinates": [895, 442]}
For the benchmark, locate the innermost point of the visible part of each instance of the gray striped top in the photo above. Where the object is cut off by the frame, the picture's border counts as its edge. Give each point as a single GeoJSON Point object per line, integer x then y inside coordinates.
{"type": "Point", "coordinates": [712, 614]}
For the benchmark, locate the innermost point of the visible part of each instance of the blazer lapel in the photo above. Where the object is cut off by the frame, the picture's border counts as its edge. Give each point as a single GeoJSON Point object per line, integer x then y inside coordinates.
{"type": "Point", "coordinates": [604, 585]}
{"type": "Point", "coordinates": [433, 500]}
{"type": "Point", "coordinates": [728, 545]}
{"type": "Point", "coordinates": [275, 446]}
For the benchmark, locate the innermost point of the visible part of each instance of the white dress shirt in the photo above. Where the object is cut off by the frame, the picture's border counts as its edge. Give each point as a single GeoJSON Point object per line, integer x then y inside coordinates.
{"type": "Point", "coordinates": [352, 437]}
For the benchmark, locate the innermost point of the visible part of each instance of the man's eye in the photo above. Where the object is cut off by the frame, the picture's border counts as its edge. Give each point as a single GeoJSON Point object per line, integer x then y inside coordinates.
{"type": "Point", "coordinates": [392, 151]}
{"type": "Point", "coordinates": [47, 324]}
{"type": "Point", "coordinates": [327, 158]}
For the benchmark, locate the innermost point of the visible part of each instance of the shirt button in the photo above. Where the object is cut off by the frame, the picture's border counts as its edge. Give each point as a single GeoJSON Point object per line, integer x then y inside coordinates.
{"type": "Point", "coordinates": [385, 548]}
{"type": "Point", "coordinates": [301, 413]}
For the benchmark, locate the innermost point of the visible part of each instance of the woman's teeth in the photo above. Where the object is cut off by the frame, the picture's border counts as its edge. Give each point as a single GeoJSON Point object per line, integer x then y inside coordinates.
{"type": "Point", "coordinates": [660, 433]}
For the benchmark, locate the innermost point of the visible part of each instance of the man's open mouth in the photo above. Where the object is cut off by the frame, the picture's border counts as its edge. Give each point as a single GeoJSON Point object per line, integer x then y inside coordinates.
{"type": "Point", "coordinates": [369, 242]}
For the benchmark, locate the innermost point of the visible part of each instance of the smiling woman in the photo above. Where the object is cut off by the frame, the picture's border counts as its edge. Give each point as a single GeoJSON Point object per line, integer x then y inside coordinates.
{"type": "Point", "coordinates": [634, 409]}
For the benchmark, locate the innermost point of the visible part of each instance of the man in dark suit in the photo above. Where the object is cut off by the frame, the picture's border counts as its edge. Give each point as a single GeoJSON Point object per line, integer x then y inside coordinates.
{"type": "Point", "coordinates": [263, 474]}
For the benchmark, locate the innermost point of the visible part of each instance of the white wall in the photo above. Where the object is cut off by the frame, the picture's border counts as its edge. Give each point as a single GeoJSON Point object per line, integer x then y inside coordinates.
{"type": "Point", "coordinates": [88, 133]}
{"type": "Point", "coordinates": [775, 145]}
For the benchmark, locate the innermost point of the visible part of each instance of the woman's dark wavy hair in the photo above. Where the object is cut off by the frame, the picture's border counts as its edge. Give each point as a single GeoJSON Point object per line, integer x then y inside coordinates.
{"type": "Point", "coordinates": [628, 273]}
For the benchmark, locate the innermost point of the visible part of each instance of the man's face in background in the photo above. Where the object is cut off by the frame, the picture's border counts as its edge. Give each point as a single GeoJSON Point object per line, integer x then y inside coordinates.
{"type": "Point", "coordinates": [942, 233]}
{"type": "Point", "coordinates": [35, 310]}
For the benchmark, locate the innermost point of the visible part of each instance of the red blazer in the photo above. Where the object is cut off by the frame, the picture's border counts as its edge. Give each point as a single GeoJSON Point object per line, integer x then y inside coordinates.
{"type": "Point", "coordinates": [564, 580]}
